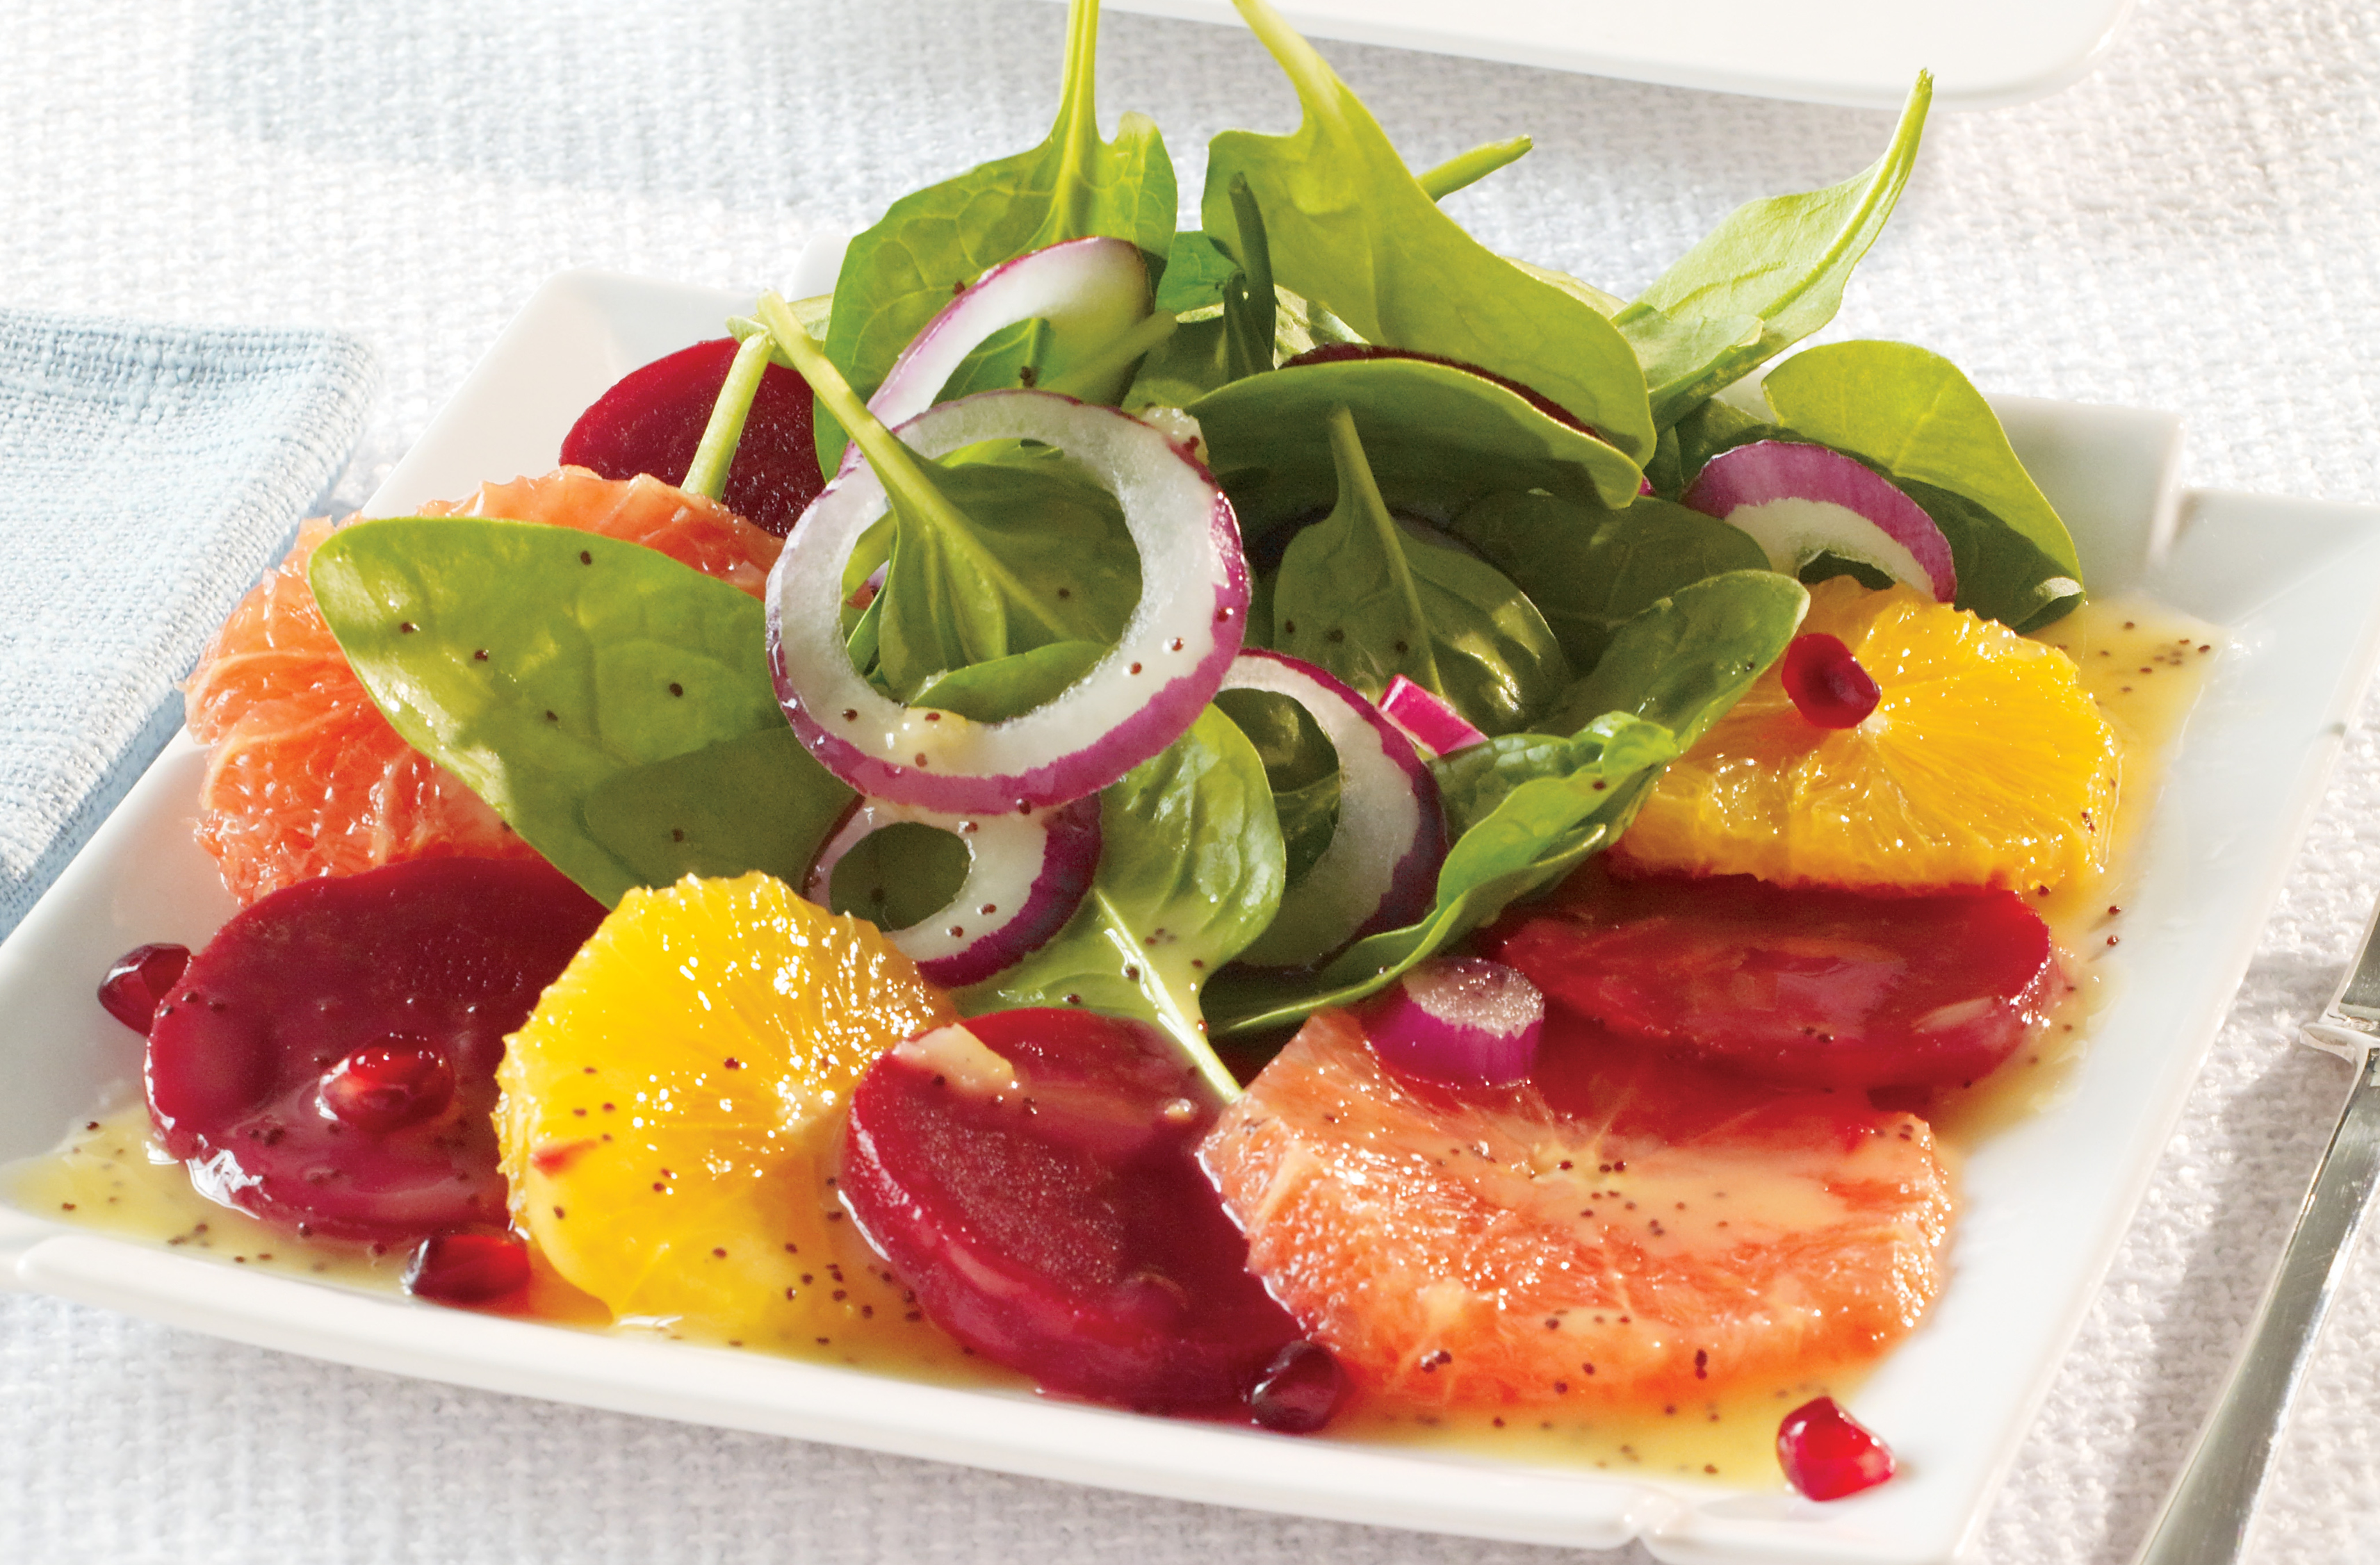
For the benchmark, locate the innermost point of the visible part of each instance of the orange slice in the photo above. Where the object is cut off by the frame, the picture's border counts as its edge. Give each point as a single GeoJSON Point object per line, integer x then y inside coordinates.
{"type": "Point", "coordinates": [672, 1109]}
{"type": "Point", "coordinates": [1984, 764]}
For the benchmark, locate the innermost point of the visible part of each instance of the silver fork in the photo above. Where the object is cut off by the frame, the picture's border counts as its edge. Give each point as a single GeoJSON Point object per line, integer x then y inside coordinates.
{"type": "Point", "coordinates": [2206, 1518]}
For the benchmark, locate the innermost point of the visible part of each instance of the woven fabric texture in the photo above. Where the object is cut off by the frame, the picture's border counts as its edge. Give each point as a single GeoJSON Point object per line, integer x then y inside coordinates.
{"type": "Point", "coordinates": [147, 473]}
{"type": "Point", "coordinates": [2193, 227]}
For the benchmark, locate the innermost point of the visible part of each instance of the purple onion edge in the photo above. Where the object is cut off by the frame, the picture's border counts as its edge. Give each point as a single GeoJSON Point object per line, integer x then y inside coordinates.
{"type": "Point", "coordinates": [1413, 880]}
{"type": "Point", "coordinates": [1792, 469]}
{"type": "Point", "coordinates": [1413, 1041]}
{"type": "Point", "coordinates": [1069, 857]}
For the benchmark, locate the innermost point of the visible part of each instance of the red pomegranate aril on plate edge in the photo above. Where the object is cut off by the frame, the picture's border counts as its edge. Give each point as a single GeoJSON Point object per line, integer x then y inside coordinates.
{"type": "Point", "coordinates": [1299, 1389]}
{"type": "Point", "coordinates": [1827, 1454]}
{"type": "Point", "coordinates": [468, 1269]}
{"type": "Point", "coordinates": [137, 984]}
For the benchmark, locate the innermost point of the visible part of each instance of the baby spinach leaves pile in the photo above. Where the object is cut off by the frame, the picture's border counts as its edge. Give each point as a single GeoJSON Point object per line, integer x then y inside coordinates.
{"type": "Point", "coordinates": [1448, 464]}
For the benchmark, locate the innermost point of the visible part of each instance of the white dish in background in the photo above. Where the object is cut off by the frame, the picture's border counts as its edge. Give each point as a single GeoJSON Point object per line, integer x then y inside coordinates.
{"type": "Point", "coordinates": [1862, 52]}
{"type": "Point", "coordinates": [2297, 584]}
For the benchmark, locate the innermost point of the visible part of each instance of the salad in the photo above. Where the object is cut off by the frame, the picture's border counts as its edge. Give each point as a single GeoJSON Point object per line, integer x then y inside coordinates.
{"type": "Point", "coordinates": [1289, 819]}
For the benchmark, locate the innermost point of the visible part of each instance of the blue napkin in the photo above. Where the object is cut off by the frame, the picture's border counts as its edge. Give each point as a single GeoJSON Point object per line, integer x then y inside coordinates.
{"type": "Point", "coordinates": [148, 475]}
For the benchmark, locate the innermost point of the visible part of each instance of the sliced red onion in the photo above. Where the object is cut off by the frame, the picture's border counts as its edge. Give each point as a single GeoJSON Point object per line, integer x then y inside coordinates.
{"type": "Point", "coordinates": [1425, 718]}
{"type": "Point", "coordinates": [1799, 501]}
{"type": "Point", "coordinates": [1175, 650]}
{"type": "Point", "coordinates": [1026, 875]}
{"type": "Point", "coordinates": [1088, 291]}
{"type": "Point", "coordinates": [1462, 1020]}
{"type": "Point", "coordinates": [1381, 870]}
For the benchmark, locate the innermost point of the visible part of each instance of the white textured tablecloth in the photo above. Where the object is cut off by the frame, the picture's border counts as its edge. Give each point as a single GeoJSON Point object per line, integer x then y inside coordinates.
{"type": "Point", "coordinates": [2193, 227]}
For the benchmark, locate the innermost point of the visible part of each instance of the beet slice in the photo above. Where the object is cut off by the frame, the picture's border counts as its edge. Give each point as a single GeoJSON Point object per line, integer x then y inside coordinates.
{"type": "Point", "coordinates": [653, 418]}
{"type": "Point", "coordinates": [337, 981]}
{"type": "Point", "coordinates": [1030, 1175]}
{"type": "Point", "coordinates": [1810, 986]}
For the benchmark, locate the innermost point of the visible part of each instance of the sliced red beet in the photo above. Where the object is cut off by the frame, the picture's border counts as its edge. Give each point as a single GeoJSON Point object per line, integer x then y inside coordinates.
{"type": "Point", "coordinates": [653, 418]}
{"type": "Point", "coordinates": [1030, 1175]}
{"type": "Point", "coordinates": [327, 1062]}
{"type": "Point", "coordinates": [1814, 987]}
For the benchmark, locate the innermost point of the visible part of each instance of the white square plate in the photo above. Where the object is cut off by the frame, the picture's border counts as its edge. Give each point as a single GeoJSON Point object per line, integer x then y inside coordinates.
{"type": "Point", "coordinates": [1862, 52]}
{"type": "Point", "coordinates": [2296, 584]}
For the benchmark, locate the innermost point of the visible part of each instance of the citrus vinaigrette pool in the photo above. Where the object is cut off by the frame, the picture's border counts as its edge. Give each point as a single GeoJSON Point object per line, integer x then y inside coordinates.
{"type": "Point", "coordinates": [2141, 664]}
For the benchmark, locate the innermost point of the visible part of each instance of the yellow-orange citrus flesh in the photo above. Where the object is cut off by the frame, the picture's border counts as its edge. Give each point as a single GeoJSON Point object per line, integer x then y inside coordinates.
{"type": "Point", "coordinates": [307, 778]}
{"type": "Point", "coordinates": [1983, 764]}
{"type": "Point", "coordinates": [672, 1108]}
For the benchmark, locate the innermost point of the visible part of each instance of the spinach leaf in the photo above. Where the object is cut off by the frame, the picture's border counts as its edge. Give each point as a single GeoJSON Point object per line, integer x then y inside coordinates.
{"type": "Point", "coordinates": [1309, 819]}
{"type": "Point", "coordinates": [1528, 808]}
{"type": "Point", "coordinates": [1190, 872]}
{"type": "Point", "coordinates": [1351, 228]}
{"type": "Point", "coordinates": [1586, 293]}
{"type": "Point", "coordinates": [1589, 570]}
{"type": "Point", "coordinates": [898, 875]}
{"type": "Point", "coordinates": [1912, 415]}
{"type": "Point", "coordinates": [1195, 270]}
{"type": "Point", "coordinates": [1439, 436]}
{"type": "Point", "coordinates": [754, 802]}
{"type": "Point", "coordinates": [1288, 740]}
{"type": "Point", "coordinates": [1769, 275]}
{"type": "Point", "coordinates": [1242, 337]}
{"type": "Point", "coordinates": [900, 273]}
{"type": "Point", "coordinates": [1565, 800]}
{"type": "Point", "coordinates": [1009, 686]}
{"type": "Point", "coordinates": [1683, 661]}
{"type": "Point", "coordinates": [1027, 551]}
{"type": "Point", "coordinates": [1367, 597]}
{"type": "Point", "coordinates": [539, 662]}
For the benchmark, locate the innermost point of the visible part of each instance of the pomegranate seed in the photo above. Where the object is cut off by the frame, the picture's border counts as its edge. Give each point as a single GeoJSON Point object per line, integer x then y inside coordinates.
{"type": "Point", "coordinates": [381, 1087]}
{"type": "Point", "coordinates": [1827, 1454]}
{"type": "Point", "coordinates": [1827, 684]}
{"type": "Point", "coordinates": [138, 983]}
{"type": "Point", "coordinates": [468, 1269]}
{"type": "Point", "coordinates": [1298, 1390]}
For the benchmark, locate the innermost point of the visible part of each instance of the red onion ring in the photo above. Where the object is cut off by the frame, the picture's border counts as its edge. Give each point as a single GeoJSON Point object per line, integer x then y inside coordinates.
{"type": "Point", "coordinates": [1090, 290]}
{"type": "Point", "coordinates": [1423, 717]}
{"type": "Point", "coordinates": [1171, 658]}
{"type": "Point", "coordinates": [1800, 501]}
{"type": "Point", "coordinates": [1381, 870]}
{"type": "Point", "coordinates": [1462, 1020]}
{"type": "Point", "coordinates": [1026, 875]}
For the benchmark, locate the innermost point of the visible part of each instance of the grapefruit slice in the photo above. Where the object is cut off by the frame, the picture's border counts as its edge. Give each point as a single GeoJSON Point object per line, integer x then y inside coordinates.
{"type": "Point", "coordinates": [1626, 1230]}
{"type": "Point", "coordinates": [307, 779]}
